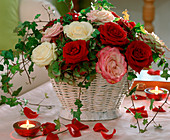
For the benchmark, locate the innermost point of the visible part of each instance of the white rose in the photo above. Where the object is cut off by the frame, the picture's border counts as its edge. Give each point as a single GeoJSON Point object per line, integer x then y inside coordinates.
{"type": "Point", "coordinates": [100, 16]}
{"type": "Point", "coordinates": [43, 54]}
{"type": "Point", "coordinates": [78, 30]}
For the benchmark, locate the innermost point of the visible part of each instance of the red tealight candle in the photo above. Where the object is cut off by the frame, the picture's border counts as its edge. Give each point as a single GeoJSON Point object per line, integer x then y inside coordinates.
{"type": "Point", "coordinates": [156, 93]}
{"type": "Point", "coordinates": [27, 128]}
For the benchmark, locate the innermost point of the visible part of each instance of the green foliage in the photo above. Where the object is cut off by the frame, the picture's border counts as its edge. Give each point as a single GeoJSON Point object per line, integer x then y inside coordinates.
{"type": "Point", "coordinates": [142, 130]}
{"type": "Point", "coordinates": [60, 0]}
{"type": "Point", "coordinates": [131, 75]}
{"type": "Point", "coordinates": [103, 4]}
{"type": "Point", "coordinates": [165, 74]}
{"type": "Point", "coordinates": [138, 115]}
{"type": "Point", "coordinates": [132, 91]}
{"type": "Point", "coordinates": [139, 28]}
{"type": "Point", "coordinates": [145, 121]}
{"type": "Point", "coordinates": [1, 67]}
{"type": "Point", "coordinates": [151, 104]}
{"type": "Point", "coordinates": [37, 16]}
{"type": "Point", "coordinates": [58, 124]}
{"type": "Point", "coordinates": [16, 92]}
{"type": "Point", "coordinates": [133, 126]}
{"type": "Point", "coordinates": [10, 101]}
{"type": "Point", "coordinates": [95, 33]}
{"type": "Point", "coordinates": [76, 114]}
{"type": "Point", "coordinates": [38, 109]}
{"type": "Point", "coordinates": [158, 126]}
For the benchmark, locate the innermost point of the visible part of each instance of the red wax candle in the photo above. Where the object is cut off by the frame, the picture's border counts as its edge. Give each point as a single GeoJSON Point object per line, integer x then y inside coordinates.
{"type": "Point", "coordinates": [27, 128]}
{"type": "Point", "coordinates": [156, 93]}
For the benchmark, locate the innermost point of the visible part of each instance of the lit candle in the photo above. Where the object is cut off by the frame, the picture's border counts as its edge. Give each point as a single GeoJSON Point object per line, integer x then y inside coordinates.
{"type": "Point", "coordinates": [156, 90]}
{"type": "Point", "coordinates": [27, 125]}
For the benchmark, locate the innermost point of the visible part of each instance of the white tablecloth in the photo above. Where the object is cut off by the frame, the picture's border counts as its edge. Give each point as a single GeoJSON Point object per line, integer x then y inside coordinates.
{"type": "Point", "coordinates": [8, 116]}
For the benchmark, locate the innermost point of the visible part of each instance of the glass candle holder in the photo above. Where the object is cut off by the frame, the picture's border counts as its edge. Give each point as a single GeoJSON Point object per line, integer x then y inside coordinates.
{"type": "Point", "coordinates": [25, 130]}
{"type": "Point", "coordinates": [158, 94]}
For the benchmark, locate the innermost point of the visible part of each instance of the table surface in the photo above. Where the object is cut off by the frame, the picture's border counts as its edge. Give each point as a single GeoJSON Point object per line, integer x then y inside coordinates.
{"type": "Point", "coordinates": [8, 116]}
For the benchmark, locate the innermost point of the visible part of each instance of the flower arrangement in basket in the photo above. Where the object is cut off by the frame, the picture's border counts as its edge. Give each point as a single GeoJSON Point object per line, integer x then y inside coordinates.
{"type": "Point", "coordinates": [79, 46]}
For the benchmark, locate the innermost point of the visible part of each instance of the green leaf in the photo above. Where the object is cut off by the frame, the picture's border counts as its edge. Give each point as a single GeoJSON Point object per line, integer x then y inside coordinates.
{"type": "Point", "coordinates": [165, 74]}
{"type": "Point", "coordinates": [55, 68]}
{"type": "Point", "coordinates": [138, 115]}
{"type": "Point", "coordinates": [31, 68]}
{"type": "Point", "coordinates": [60, 0]}
{"type": "Point", "coordinates": [5, 79]}
{"type": "Point", "coordinates": [16, 92]}
{"type": "Point", "coordinates": [38, 109]}
{"type": "Point", "coordinates": [46, 95]}
{"type": "Point", "coordinates": [72, 5]}
{"type": "Point", "coordinates": [116, 19]}
{"type": "Point", "coordinates": [132, 91]}
{"type": "Point", "coordinates": [158, 126]}
{"type": "Point", "coordinates": [1, 67]}
{"type": "Point", "coordinates": [151, 104]}
{"type": "Point", "coordinates": [133, 126]}
{"type": "Point", "coordinates": [131, 75]}
{"type": "Point", "coordinates": [155, 57]}
{"type": "Point", "coordinates": [8, 54]}
{"type": "Point", "coordinates": [76, 73]}
{"type": "Point", "coordinates": [95, 33]}
{"type": "Point", "coordinates": [25, 102]}
{"type": "Point", "coordinates": [145, 121]}
{"type": "Point", "coordinates": [37, 16]}
{"type": "Point", "coordinates": [142, 130]}
{"type": "Point", "coordinates": [77, 114]}
{"type": "Point", "coordinates": [58, 124]}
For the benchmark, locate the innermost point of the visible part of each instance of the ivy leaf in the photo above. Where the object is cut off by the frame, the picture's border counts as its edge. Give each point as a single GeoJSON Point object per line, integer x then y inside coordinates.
{"type": "Point", "coordinates": [151, 105]}
{"type": "Point", "coordinates": [77, 114]}
{"type": "Point", "coordinates": [38, 109]}
{"type": "Point", "coordinates": [1, 67]}
{"type": "Point", "coordinates": [138, 116]}
{"type": "Point", "coordinates": [8, 54]}
{"type": "Point", "coordinates": [72, 5]}
{"type": "Point", "coordinates": [16, 92]}
{"type": "Point", "coordinates": [31, 69]}
{"type": "Point", "coordinates": [58, 124]}
{"type": "Point", "coordinates": [131, 75]}
{"type": "Point", "coordinates": [158, 126]}
{"type": "Point", "coordinates": [133, 126]}
{"type": "Point", "coordinates": [132, 91]}
{"type": "Point", "coordinates": [37, 16]}
{"type": "Point", "coordinates": [142, 130]}
{"type": "Point", "coordinates": [145, 121]}
{"type": "Point", "coordinates": [46, 95]}
{"type": "Point", "coordinates": [165, 74]}
{"type": "Point", "coordinates": [60, 0]}
{"type": "Point", "coordinates": [25, 102]}
{"type": "Point", "coordinates": [95, 33]}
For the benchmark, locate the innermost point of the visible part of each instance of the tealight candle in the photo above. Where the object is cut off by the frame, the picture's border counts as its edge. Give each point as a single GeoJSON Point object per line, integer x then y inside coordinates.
{"type": "Point", "coordinates": [156, 93]}
{"type": "Point", "coordinates": [27, 128]}
{"type": "Point", "coordinates": [27, 125]}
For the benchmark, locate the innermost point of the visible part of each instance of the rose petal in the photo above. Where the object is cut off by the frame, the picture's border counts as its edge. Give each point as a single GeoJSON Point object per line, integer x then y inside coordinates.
{"type": "Point", "coordinates": [74, 131]}
{"type": "Point", "coordinates": [48, 127]}
{"type": "Point", "coordinates": [108, 136]}
{"type": "Point", "coordinates": [156, 109]}
{"type": "Point", "coordinates": [99, 127]}
{"type": "Point", "coordinates": [137, 109]}
{"type": "Point", "coordinates": [52, 136]}
{"type": "Point", "coordinates": [153, 72]}
{"type": "Point", "coordinates": [138, 97]}
{"type": "Point", "coordinates": [29, 113]}
{"type": "Point", "coordinates": [79, 125]}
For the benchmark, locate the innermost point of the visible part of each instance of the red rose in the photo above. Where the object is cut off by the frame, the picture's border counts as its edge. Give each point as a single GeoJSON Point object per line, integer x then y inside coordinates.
{"type": "Point", "coordinates": [75, 52]}
{"type": "Point", "coordinates": [139, 55]}
{"type": "Point", "coordinates": [48, 127]}
{"type": "Point", "coordinates": [125, 23]}
{"type": "Point", "coordinates": [112, 34]}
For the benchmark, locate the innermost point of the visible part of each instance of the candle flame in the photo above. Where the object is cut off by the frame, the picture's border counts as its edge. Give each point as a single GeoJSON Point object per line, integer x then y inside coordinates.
{"type": "Point", "coordinates": [156, 88]}
{"type": "Point", "coordinates": [27, 124]}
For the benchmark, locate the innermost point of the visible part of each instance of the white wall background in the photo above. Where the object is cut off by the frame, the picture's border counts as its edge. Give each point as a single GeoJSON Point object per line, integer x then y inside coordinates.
{"type": "Point", "coordinates": [162, 16]}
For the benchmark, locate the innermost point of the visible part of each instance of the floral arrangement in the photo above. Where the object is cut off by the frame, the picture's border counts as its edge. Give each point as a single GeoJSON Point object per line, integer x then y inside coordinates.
{"type": "Point", "coordinates": [80, 45]}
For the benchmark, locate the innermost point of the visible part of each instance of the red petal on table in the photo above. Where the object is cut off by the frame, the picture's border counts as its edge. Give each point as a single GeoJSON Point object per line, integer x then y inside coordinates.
{"type": "Point", "coordinates": [74, 131]}
{"type": "Point", "coordinates": [137, 109]}
{"type": "Point", "coordinates": [144, 113]}
{"type": "Point", "coordinates": [153, 72]}
{"type": "Point", "coordinates": [155, 109]}
{"type": "Point", "coordinates": [48, 127]}
{"type": "Point", "coordinates": [108, 136]}
{"type": "Point", "coordinates": [79, 125]}
{"type": "Point", "coordinates": [29, 113]}
{"type": "Point", "coordinates": [138, 97]}
{"type": "Point", "coordinates": [99, 127]}
{"type": "Point", "coordinates": [52, 136]}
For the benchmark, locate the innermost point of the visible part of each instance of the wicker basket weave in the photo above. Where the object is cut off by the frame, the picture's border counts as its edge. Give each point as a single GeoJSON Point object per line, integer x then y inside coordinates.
{"type": "Point", "coordinates": [101, 101]}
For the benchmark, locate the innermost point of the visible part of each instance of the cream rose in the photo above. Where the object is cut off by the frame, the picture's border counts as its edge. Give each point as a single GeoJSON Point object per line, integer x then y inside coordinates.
{"type": "Point", "coordinates": [100, 16]}
{"type": "Point", "coordinates": [78, 30]}
{"type": "Point", "coordinates": [43, 54]}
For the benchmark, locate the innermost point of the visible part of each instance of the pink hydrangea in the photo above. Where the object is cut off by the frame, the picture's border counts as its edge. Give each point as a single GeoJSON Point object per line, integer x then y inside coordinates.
{"type": "Point", "coordinates": [111, 64]}
{"type": "Point", "coordinates": [100, 16]}
{"type": "Point", "coordinates": [52, 32]}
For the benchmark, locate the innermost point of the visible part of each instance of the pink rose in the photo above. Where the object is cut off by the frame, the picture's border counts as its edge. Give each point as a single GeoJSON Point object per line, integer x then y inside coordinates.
{"type": "Point", "coordinates": [111, 64]}
{"type": "Point", "coordinates": [100, 16]}
{"type": "Point", "coordinates": [52, 32]}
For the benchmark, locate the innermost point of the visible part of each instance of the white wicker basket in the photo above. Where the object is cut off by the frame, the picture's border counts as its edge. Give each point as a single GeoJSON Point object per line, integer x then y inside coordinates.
{"type": "Point", "coordinates": [101, 101]}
